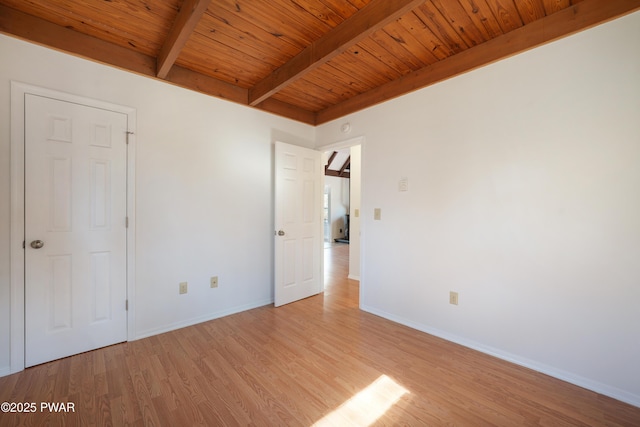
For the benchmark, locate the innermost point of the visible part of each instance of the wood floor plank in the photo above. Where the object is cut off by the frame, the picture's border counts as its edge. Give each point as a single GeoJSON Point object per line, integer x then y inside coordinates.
{"type": "Point", "coordinates": [299, 364]}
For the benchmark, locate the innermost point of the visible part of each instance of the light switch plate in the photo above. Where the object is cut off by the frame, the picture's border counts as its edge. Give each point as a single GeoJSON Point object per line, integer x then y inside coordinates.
{"type": "Point", "coordinates": [403, 185]}
{"type": "Point", "coordinates": [377, 214]}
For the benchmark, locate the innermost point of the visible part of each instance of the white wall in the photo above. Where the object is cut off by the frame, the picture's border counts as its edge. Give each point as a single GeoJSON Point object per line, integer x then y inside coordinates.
{"type": "Point", "coordinates": [203, 189]}
{"type": "Point", "coordinates": [524, 197]}
{"type": "Point", "coordinates": [339, 205]}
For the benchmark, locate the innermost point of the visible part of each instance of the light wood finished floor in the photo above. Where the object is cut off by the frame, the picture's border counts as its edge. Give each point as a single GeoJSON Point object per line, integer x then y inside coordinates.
{"type": "Point", "coordinates": [294, 366]}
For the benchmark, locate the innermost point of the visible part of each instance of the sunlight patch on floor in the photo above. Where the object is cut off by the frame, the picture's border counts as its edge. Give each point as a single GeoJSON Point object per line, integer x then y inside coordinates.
{"type": "Point", "coordinates": [367, 405]}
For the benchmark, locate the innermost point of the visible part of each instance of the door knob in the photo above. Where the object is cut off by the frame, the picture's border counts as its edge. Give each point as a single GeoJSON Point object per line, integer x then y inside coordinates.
{"type": "Point", "coordinates": [280, 233]}
{"type": "Point", "coordinates": [37, 244]}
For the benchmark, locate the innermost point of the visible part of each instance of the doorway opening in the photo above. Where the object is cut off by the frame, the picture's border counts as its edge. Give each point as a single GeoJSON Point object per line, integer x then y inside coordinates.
{"type": "Point", "coordinates": [337, 193]}
{"type": "Point", "coordinates": [343, 176]}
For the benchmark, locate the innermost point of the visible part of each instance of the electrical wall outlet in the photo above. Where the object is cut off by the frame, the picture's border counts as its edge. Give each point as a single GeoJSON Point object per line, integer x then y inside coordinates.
{"type": "Point", "coordinates": [183, 287]}
{"type": "Point", "coordinates": [453, 298]}
{"type": "Point", "coordinates": [214, 282]}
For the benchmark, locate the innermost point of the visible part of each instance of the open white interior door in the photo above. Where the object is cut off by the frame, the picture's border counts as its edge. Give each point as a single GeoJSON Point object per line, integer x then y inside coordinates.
{"type": "Point", "coordinates": [298, 223]}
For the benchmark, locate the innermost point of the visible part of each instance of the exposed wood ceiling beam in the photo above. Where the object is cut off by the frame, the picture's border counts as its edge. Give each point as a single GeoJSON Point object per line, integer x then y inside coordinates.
{"type": "Point", "coordinates": [57, 37]}
{"type": "Point", "coordinates": [45, 33]}
{"type": "Point", "coordinates": [65, 39]}
{"type": "Point", "coordinates": [287, 110]}
{"type": "Point", "coordinates": [360, 25]}
{"type": "Point", "coordinates": [205, 84]}
{"type": "Point", "coordinates": [186, 21]}
{"type": "Point", "coordinates": [337, 174]}
{"type": "Point", "coordinates": [344, 167]}
{"type": "Point", "coordinates": [342, 173]}
{"type": "Point", "coordinates": [578, 17]}
{"type": "Point", "coordinates": [331, 157]}
{"type": "Point", "coordinates": [327, 171]}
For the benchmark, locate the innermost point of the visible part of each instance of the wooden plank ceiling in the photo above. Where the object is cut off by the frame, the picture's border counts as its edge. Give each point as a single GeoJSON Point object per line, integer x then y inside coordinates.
{"type": "Point", "coordinates": [309, 60]}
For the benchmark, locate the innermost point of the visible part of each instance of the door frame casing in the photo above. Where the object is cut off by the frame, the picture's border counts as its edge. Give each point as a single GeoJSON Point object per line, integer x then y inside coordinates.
{"type": "Point", "coordinates": [17, 228]}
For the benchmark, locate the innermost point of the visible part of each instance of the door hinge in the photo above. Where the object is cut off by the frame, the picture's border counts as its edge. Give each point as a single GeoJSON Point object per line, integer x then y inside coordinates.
{"type": "Point", "coordinates": [126, 222]}
{"type": "Point", "coordinates": [24, 244]}
{"type": "Point", "coordinates": [126, 305]}
{"type": "Point", "coordinates": [128, 133]}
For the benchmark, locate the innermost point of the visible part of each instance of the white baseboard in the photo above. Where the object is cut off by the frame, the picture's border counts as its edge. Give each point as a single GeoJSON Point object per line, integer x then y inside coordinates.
{"type": "Point", "coordinates": [5, 371]}
{"type": "Point", "coordinates": [598, 387]}
{"type": "Point", "coordinates": [352, 277]}
{"type": "Point", "coordinates": [201, 319]}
